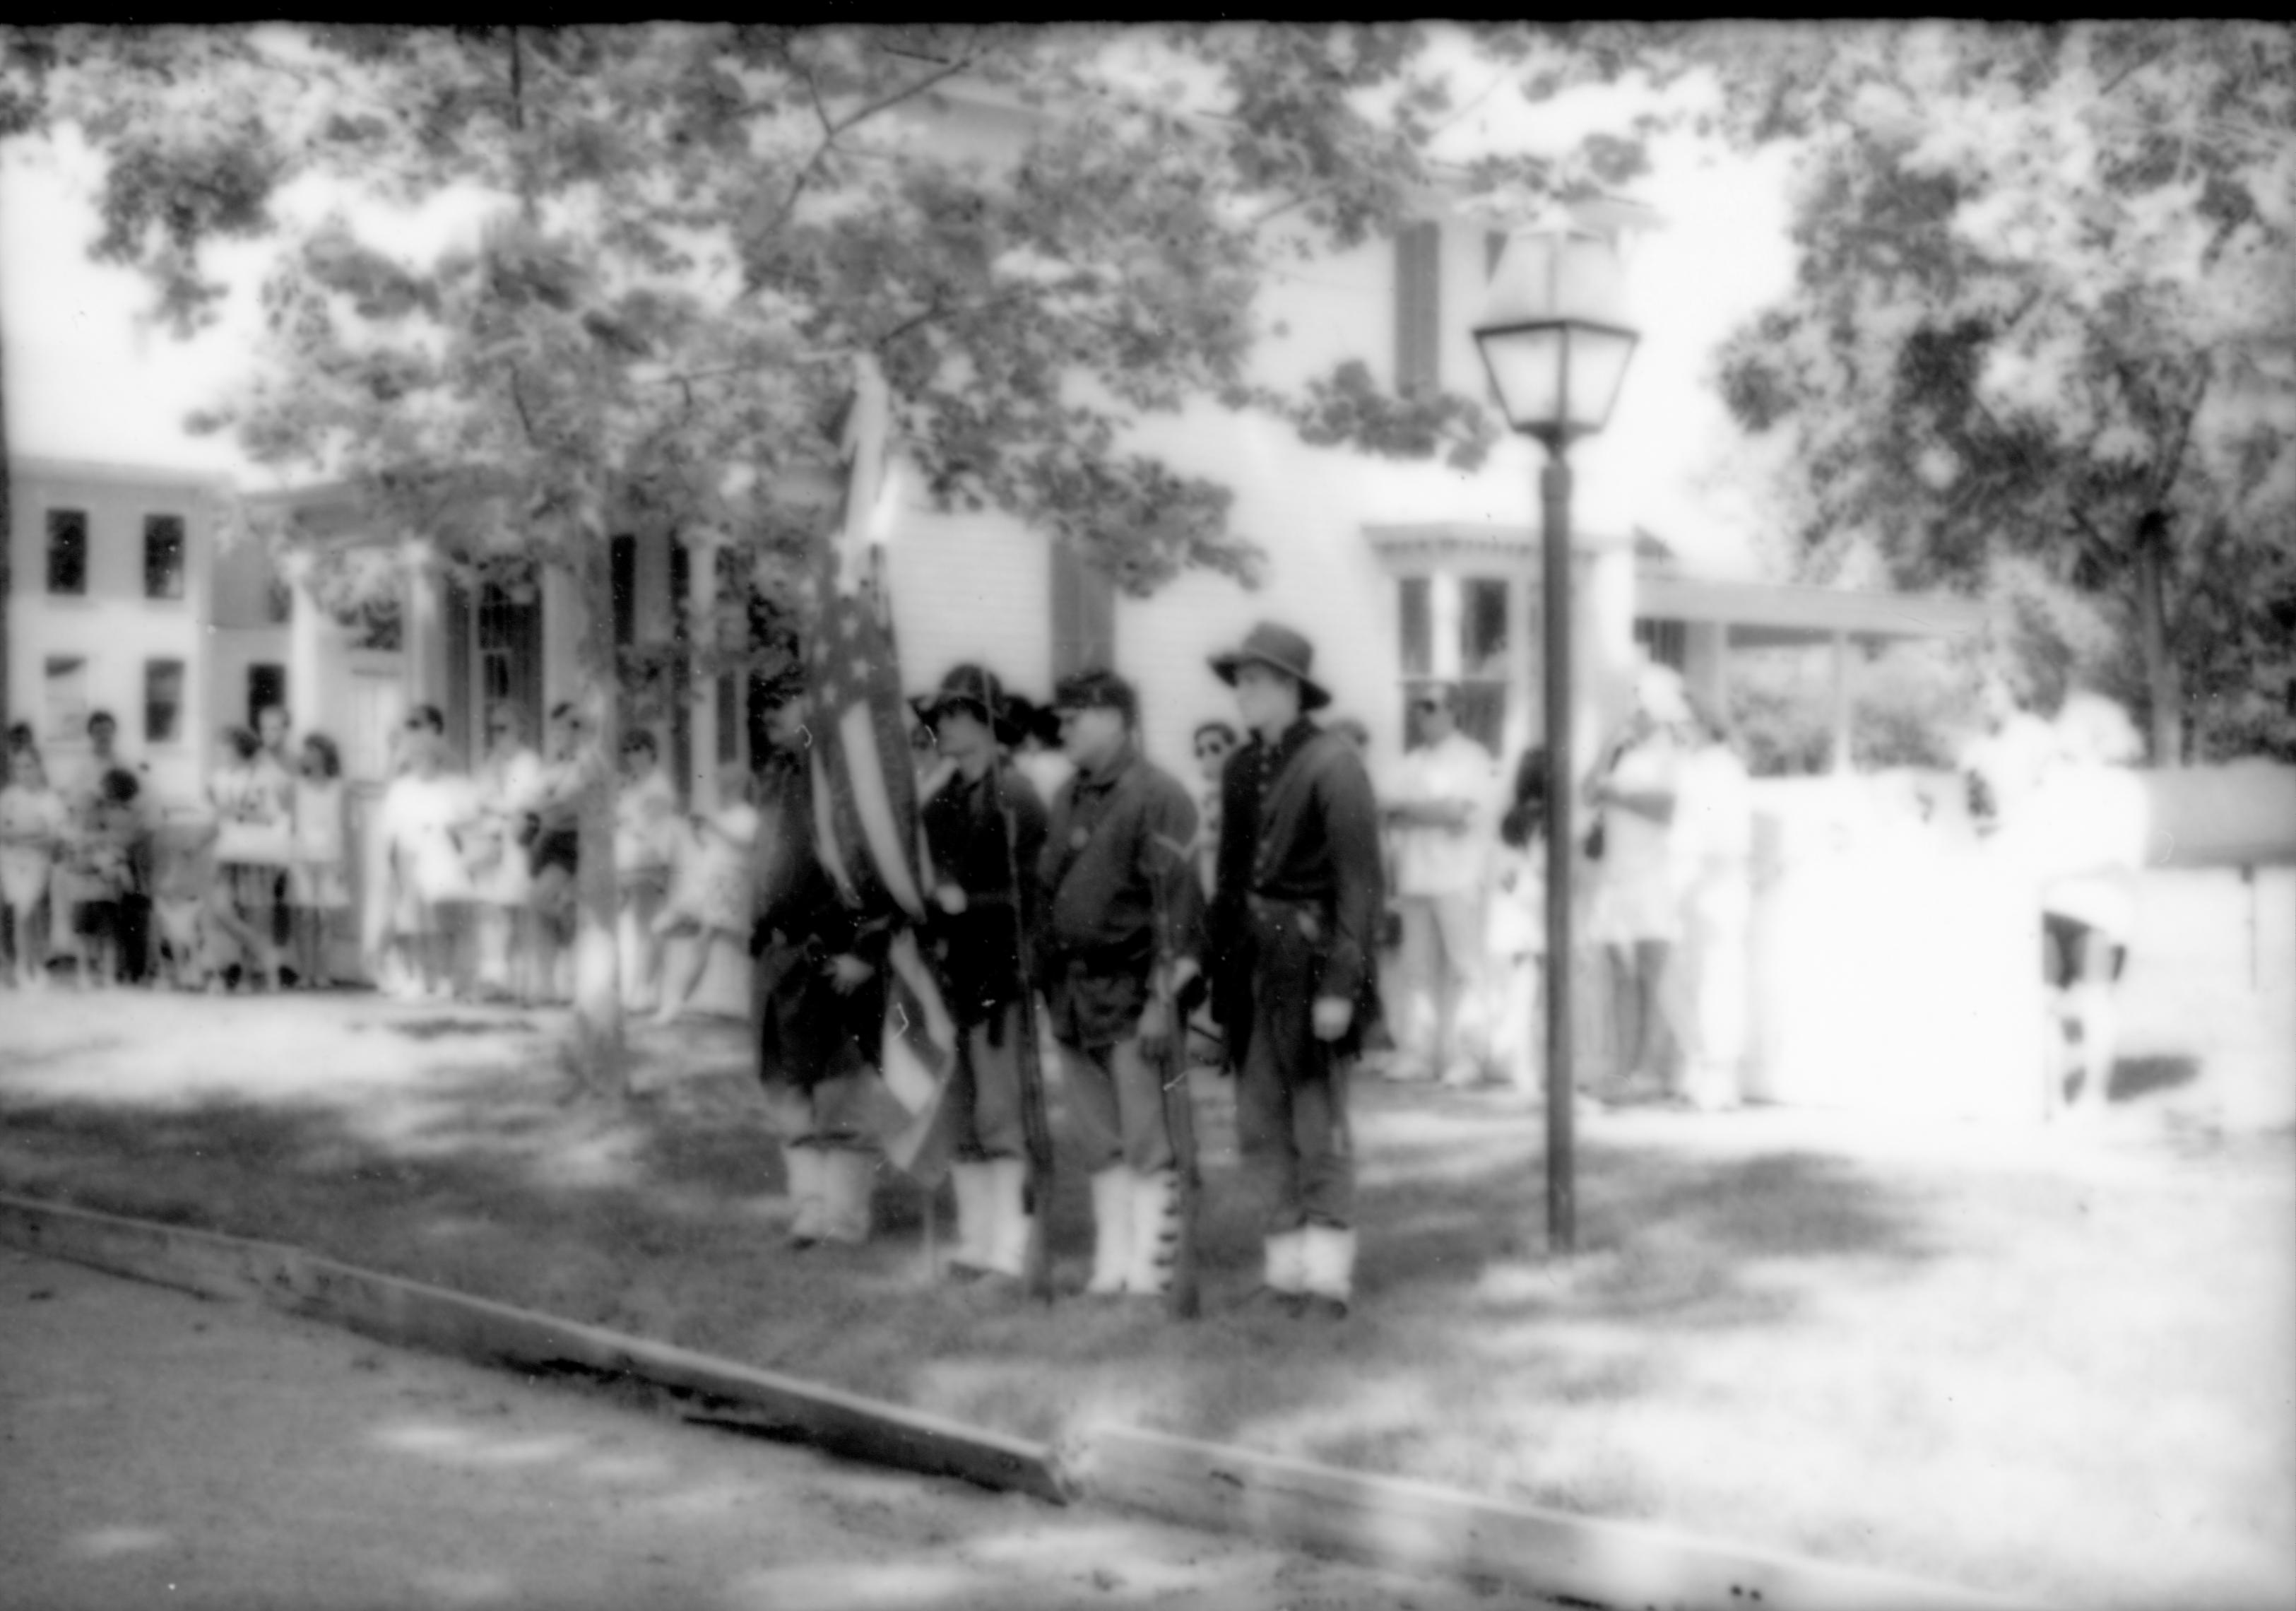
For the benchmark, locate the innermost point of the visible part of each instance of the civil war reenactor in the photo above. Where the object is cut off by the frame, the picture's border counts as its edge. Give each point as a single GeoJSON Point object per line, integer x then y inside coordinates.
{"type": "Point", "coordinates": [1292, 936]}
{"type": "Point", "coordinates": [1123, 910]}
{"type": "Point", "coordinates": [819, 995]}
{"type": "Point", "coordinates": [982, 826]}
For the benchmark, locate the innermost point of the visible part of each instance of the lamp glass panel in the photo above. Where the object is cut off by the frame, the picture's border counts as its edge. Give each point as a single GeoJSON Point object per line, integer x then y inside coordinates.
{"type": "Point", "coordinates": [1526, 365]}
{"type": "Point", "coordinates": [1598, 367]}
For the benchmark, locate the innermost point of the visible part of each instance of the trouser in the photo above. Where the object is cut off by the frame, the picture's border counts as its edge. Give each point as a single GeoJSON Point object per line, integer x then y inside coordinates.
{"type": "Point", "coordinates": [1291, 1119]}
{"type": "Point", "coordinates": [1443, 974]}
{"type": "Point", "coordinates": [829, 1113]}
{"type": "Point", "coordinates": [985, 1088]}
{"type": "Point", "coordinates": [1117, 1095]}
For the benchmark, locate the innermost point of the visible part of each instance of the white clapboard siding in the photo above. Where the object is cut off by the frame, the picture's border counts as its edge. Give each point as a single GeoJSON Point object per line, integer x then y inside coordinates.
{"type": "Point", "coordinates": [971, 587]}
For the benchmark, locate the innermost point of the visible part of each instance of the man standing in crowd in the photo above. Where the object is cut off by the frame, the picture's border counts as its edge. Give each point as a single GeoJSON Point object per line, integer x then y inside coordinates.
{"type": "Point", "coordinates": [1119, 944]}
{"type": "Point", "coordinates": [1444, 793]}
{"type": "Point", "coordinates": [981, 828]}
{"type": "Point", "coordinates": [820, 995]}
{"type": "Point", "coordinates": [1292, 929]}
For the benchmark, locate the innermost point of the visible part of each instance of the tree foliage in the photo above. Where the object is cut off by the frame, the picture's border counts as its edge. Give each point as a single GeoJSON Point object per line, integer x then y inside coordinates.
{"type": "Point", "coordinates": [675, 239]}
{"type": "Point", "coordinates": [2045, 309]}
{"type": "Point", "coordinates": [697, 226]}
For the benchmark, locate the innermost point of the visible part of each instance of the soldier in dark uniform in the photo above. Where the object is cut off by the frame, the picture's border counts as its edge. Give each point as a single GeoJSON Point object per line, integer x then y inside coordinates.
{"type": "Point", "coordinates": [983, 826]}
{"type": "Point", "coordinates": [819, 992]}
{"type": "Point", "coordinates": [1122, 903]}
{"type": "Point", "coordinates": [1291, 934]}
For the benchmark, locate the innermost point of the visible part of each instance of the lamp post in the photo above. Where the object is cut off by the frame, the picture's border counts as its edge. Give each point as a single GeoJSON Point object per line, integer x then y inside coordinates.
{"type": "Point", "coordinates": [1556, 350]}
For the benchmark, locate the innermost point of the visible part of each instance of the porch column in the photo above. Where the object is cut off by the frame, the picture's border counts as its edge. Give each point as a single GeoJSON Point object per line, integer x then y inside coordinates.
{"type": "Point", "coordinates": [1443, 624]}
{"type": "Point", "coordinates": [1840, 760]}
{"type": "Point", "coordinates": [307, 703]}
{"type": "Point", "coordinates": [702, 546]}
{"type": "Point", "coordinates": [426, 636]}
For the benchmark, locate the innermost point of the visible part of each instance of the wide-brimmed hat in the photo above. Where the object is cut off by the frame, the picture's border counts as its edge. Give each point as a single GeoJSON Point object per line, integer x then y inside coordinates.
{"type": "Point", "coordinates": [1281, 649]}
{"type": "Point", "coordinates": [977, 687]}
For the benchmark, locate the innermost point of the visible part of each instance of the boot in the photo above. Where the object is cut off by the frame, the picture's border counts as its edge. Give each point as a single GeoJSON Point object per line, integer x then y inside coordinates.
{"type": "Point", "coordinates": [975, 1219]}
{"type": "Point", "coordinates": [1112, 1230]}
{"type": "Point", "coordinates": [1284, 1282]}
{"type": "Point", "coordinates": [1010, 1221]}
{"type": "Point", "coordinates": [850, 1176]}
{"type": "Point", "coordinates": [808, 1181]}
{"type": "Point", "coordinates": [1155, 1232]}
{"type": "Point", "coordinates": [1329, 1266]}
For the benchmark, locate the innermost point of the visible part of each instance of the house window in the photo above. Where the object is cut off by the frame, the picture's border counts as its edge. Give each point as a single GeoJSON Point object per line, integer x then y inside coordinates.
{"type": "Point", "coordinates": [729, 720]}
{"type": "Point", "coordinates": [1460, 629]}
{"type": "Point", "coordinates": [68, 552]}
{"type": "Point", "coordinates": [163, 700]}
{"type": "Point", "coordinates": [1664, 641]}
{"type": "Point", "coordinates": [266, 685]}
{"type": "Point", "coordinates": [64, 696]}
{"type": "Point", "coordinates": [624, 560]}
{"type": "Point", "coordinates": [1419, 310]}
{"type": "Point", "coordinates": [163, 557]}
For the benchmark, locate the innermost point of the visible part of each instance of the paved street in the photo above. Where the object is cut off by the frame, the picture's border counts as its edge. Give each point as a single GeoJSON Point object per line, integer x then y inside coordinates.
{"type": "Point", "coordinates": [157, 1449]}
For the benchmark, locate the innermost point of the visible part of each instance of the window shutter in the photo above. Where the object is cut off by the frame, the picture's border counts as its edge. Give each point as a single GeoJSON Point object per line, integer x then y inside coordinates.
{"type": "Point", "coordinates": [1419, 310]}
{"type": "Point", "coordinates": [1083, 613]}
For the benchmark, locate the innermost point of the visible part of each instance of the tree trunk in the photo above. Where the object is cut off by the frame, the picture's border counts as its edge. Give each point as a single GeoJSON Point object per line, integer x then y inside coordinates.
{"type": "Point", "coordinates": [2163, 683]}
{"type": "Point", "coordinates": [595, 1051]}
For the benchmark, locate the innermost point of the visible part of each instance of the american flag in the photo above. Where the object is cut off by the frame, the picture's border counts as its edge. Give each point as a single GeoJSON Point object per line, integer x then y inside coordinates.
{"type": "Point", "coordinates": [864, 794]}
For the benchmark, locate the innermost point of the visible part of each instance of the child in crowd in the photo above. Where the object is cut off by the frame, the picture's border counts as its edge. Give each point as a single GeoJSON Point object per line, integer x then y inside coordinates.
{"type": "Point", "coordinates": [709, 899]}
{"type": "Point", "coordinates": [109, 860]}
{"type": "Point", "coordinates": [1515, 932]}
{"type": "Point", "coordinates": [33, 819]}
{"type": "Point", "coordinates": [316, 885]}
{"type": "Point", "coordinates": [183, 885]}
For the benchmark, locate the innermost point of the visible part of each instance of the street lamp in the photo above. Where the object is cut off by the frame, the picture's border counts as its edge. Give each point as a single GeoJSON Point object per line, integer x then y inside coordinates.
{"type": "Point", "coordinates": [1551, 338]}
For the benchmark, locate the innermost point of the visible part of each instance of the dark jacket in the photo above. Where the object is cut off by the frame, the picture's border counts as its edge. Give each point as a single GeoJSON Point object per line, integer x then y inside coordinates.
{"type": "Point", "coordinates": [1296, 909]}
{"type": "Point", "coordinates": [1120, 896]}
{"type": "Point", "coordinates": [977, 953]}
{"type": "Point", "coordinates": [808, 1030]}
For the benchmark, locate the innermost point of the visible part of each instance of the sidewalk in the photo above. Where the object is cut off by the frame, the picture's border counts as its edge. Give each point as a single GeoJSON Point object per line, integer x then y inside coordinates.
{"type": "Point", "coordinates": [2066, 1340]}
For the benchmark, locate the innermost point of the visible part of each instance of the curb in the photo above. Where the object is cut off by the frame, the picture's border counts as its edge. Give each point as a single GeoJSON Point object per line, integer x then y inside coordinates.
{"type": "Point", "coordinates": [1384, 1522]}
{"type": "Point", "coordinates": [411, 1314]}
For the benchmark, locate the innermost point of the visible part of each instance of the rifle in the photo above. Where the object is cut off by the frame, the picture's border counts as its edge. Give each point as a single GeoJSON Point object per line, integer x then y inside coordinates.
{"type": "Point", "coordinates": [1036, 1126]}
{"type": "Point", "coordinates": [1182, 1303]}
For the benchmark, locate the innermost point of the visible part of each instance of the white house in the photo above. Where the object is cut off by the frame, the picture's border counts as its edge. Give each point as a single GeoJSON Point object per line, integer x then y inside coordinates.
{"type": "Point", "coordinates": [111, 608]}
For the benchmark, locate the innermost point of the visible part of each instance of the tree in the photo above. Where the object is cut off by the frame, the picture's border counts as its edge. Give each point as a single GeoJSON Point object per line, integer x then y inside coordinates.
{"type": "Point", "coordinates": [2045, 309]}
{"type": "Point", "coordinates": [694, 230]}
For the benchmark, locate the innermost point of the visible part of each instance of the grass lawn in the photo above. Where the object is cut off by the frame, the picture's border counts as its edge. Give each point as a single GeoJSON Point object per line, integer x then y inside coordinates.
{"type": "Point", "coordinates": [2041, 1364]}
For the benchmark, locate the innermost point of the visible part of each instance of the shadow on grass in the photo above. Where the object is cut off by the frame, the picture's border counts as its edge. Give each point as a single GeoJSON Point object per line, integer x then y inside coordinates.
{"type": "Point", "coordinates": [665, 1216]}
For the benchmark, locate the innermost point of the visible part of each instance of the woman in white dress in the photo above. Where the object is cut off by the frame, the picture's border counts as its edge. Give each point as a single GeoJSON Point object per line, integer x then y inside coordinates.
{"type": "Point", "coordinates": [429, 812]}
{"type": "Point", "coordinates": [1635, 915]}
{"type": "Point", "coordinates": [508, 784]}
{"type": "Point", "coordinates": [1714, 857]}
